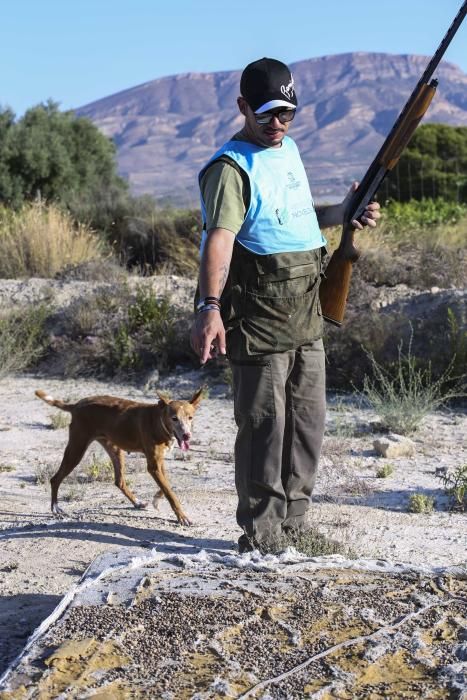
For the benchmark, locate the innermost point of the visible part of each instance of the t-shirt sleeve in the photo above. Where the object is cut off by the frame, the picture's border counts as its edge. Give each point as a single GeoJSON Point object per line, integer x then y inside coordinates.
{"type": "Point", "coordinates": [222, 192]}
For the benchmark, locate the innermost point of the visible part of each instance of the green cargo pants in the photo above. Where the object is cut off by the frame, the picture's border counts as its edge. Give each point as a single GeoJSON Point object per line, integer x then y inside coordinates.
{"type": "Point", "coordinates": [279, 402]}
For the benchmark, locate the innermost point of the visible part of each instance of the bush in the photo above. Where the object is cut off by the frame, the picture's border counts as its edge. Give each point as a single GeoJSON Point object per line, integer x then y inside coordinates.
{"type": "Point", "coordinates": [155, 240]}
{"type": "Point", "coordinates": [419, 503]}
{"type": "Point", "coordinates": [40, 241]}
{"type": "Point", "coordinates": [403, 393]}
{"type": "Point", "coordinates": [423, 213]}
{"type": "Point", "coordinates": [385, 471]}
{"type": "Point", "coordinates": [22, 338]}
{"type": "Point", "coordinates": [58, 155]}
{"type": "Point", "coordinates": [455, 485]}
{"type": "Point", "coordinates": [118, 330]}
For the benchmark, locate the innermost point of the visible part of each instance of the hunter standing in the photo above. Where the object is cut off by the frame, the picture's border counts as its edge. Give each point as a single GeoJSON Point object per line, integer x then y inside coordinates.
{"type": "Point", "coordinates": [261, 263]}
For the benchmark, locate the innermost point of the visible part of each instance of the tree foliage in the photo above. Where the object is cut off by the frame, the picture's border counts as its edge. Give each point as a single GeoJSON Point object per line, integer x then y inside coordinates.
{"type": "Point", "coordinates": [55, 155]}
{"type": "Point", "coordinates": [433, 165]}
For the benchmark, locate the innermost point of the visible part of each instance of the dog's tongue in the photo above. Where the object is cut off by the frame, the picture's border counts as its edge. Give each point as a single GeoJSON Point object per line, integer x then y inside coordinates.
{"type": "Point", "coordinates": [184, 445]}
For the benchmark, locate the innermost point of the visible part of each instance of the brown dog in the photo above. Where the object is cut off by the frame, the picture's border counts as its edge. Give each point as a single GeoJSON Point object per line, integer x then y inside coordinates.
{"type": "Point", "coordinates": [120, 425]}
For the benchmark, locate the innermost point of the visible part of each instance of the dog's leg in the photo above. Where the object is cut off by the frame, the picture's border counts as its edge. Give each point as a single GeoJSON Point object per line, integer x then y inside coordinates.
{"type": "Point", "coordinates": [156, 468]}
{"type": "Point", "coordinates": [74, 452]}
{"type": "Point", "coordinates": [118, 460]}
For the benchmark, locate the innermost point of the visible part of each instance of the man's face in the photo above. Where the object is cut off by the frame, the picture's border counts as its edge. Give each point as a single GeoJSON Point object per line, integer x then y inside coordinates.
{"type": "Point", "coordinates": [268, 135]}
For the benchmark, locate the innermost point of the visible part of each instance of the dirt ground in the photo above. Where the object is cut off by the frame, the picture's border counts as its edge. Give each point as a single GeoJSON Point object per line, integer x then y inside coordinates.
{"type": "Point", "coordinates": [41, 556]}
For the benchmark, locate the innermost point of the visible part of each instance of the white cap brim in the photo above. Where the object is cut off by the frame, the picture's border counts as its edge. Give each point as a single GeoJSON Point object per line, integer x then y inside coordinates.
{"type": "Point", "coordinates": [273, 104]}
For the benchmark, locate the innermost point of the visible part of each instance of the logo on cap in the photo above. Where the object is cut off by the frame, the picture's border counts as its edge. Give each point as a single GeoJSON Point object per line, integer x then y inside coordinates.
{"type": "Point", "coordinates": [288, 90]}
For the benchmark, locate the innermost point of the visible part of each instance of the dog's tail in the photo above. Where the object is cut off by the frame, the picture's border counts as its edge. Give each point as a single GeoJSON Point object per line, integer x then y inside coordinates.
{"type": "Point", "coordinates": [54, 402]}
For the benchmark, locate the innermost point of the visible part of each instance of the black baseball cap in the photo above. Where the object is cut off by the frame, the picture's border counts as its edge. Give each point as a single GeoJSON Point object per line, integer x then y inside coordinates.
{"type": "Point", "coordinates": [268, 84]}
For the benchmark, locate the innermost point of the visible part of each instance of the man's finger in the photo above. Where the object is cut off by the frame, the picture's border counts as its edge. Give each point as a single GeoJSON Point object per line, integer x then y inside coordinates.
{"type": "Point", "coordinates": [221, 342]}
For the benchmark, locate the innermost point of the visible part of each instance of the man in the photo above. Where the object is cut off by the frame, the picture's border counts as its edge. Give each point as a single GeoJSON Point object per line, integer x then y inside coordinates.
{"type": "Point", "coordinates": [262, 236]}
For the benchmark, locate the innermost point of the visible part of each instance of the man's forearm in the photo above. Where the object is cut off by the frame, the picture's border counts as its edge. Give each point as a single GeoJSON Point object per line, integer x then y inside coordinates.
{"type": "Point", "coordinates": [215, 262]}
{"type": "Point", "coordinates": [330, 215]}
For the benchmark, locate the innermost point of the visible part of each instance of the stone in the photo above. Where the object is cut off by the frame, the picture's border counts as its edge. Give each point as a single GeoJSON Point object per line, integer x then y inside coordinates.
{"type": "Point", "coordinates": [393, 445]}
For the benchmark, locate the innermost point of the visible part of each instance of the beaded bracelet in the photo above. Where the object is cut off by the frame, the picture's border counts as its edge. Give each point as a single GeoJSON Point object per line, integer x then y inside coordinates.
{"type": "Point", "coordinates": [208, 307]}
{"type": "Point", "coordinates": [208, 300]}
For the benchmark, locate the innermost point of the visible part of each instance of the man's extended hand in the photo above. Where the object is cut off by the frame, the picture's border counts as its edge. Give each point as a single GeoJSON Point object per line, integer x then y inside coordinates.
{"type": "Point", "coordinates": [207, 335]}
{"type": "Point", "coordinates": [371, 214]}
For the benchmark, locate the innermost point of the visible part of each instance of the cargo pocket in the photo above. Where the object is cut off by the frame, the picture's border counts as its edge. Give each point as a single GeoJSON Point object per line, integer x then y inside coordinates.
{"type": "Point", "coordinates": [282, 307]}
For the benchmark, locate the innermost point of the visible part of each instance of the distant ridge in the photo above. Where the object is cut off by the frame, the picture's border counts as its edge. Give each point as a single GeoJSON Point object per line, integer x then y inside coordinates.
{"type": "Point", "coordinates": [166, 129]}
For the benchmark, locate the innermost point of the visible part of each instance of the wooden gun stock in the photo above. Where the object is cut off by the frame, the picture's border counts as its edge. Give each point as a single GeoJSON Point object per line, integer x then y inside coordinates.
{"type": "Point", "coordinates": [335, 285]}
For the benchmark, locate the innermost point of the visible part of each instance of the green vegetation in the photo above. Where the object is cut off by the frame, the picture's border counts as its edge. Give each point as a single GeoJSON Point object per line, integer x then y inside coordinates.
{"type": "Point", "coordinates": [149, 239]}
{"type": "Point", "coordinates": [420, 503]}
{"type": "Point", "coordinates": [433, 165]}
{"type": "Point", "coordinates": [146, 335]}
{"type": "Point", "coordinates": [39, 241]}
{"type": "Point", "coordinates": [4, 468]}
{"type": "Point", "coordinates": [59, 420]}
{"type": "Point", "coordinates": [385, 471]}
{"type": "Point", "coordinates": [57, 156]}
{"type": "Point", "coordinates": [404, 392]}
{"type": "Point", "coordinates": [455, 485]}
{"type": "Point", "coordinates": [99, 470]}
{"type": "Point", "coordinates": [121, 330]}
{"type": "Point", "coordinates": [312, 542]}
{"type": "Point", "coordinates": [22, 338]}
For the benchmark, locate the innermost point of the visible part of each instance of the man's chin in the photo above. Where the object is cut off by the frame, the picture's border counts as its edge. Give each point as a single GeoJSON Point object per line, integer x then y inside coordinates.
{"type": "Point", "coordinates": [273, 139]}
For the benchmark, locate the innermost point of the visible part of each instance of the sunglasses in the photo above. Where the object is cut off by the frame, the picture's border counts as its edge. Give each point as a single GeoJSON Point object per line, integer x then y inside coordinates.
{"type": "Point", "coordinates": [284, 116]}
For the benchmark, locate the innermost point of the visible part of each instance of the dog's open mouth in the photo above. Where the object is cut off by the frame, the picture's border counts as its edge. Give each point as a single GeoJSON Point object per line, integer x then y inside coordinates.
{"type": "Point", "coordinates": [184, 445]}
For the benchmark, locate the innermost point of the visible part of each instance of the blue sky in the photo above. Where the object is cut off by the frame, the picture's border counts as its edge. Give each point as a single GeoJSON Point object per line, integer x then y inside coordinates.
{"type": "Point", "coordinates": [77, 52]}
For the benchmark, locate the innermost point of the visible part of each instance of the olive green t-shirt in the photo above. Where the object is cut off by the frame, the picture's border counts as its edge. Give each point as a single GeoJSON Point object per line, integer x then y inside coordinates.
{"type": "Point", "coordinates": [222, 190]}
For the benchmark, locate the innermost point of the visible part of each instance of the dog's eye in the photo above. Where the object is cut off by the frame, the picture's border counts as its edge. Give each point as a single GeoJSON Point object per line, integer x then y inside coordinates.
{"type": "Point", "coordinates": [175, 419]}
{"type": "Point", "coordinates": [190, 417]}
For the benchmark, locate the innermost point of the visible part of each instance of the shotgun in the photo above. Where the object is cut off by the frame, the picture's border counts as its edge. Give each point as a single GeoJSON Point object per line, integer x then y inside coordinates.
{"type": "Point", "coordinates": [335, 285]}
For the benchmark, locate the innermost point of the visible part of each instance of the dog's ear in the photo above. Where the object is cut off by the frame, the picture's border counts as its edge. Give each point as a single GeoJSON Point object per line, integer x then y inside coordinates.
{"type": "Point", "coordinates": [164, 398]}
{"type": "Point", "coordinates": [197, 396]}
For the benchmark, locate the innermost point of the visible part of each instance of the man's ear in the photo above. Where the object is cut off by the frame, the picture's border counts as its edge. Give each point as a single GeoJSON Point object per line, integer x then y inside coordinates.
{"type": "Point", "coordinates": [197, 396]}
{"type": "Point", "coordinates": [164, 398]}
{"type": "Point", "coordinates": [241, 102]}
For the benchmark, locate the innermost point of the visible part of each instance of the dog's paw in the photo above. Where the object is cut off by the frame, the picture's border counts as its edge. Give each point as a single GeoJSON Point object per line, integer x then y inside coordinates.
{"type": "Point", "coordinates": [183, 520]}
{"type": "Point", "coordinates": [139, 505]}
{"type": "Point", "coordinates": [59, 512]}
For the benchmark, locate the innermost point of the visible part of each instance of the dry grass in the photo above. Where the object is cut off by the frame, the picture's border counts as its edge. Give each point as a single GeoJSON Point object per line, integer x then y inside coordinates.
{"type": "Point", "coordinates": [40, 241]}
{"type": "Point", "coordinates": [22, 338]}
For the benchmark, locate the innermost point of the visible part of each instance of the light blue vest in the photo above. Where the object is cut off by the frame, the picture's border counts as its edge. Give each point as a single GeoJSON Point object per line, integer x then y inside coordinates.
{"type": "Point", "coordinates": [281, 217]}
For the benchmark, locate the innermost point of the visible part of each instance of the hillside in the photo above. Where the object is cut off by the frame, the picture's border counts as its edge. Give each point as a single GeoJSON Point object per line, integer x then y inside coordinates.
{"type": "Point", "coordinates": [166, 129]}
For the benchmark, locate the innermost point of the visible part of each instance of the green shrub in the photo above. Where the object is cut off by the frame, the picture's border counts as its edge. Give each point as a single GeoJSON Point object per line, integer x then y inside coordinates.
{"type": "Point", "coordinates": [455, 485]}
{"type": "Point", "coordinates": [99, 470]}
{"type": "Point", "coordinates": [404, 392]}
{"type": "Point", "coordinates": [419, 503]}
{"type": "Point", "coordinates": [385, 471]}
{"type": "Point", "coordinates": [59, 420]}
{"type": "Point", "coordinates": [314, 543]}
{"type": "Point", "coordinates": [22, 338]}
{"type": "Point", "coordinates": [152, 239]}
{"type": "Point", "coordinates": [423, 213]}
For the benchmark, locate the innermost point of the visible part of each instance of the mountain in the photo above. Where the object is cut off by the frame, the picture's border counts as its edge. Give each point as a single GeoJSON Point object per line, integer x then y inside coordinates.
{"type": "Point", "coordinates": [166, 129]}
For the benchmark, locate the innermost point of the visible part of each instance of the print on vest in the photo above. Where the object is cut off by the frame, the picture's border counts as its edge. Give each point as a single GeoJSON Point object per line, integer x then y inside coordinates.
{"type": "Point", "coordinates": [293, 184]}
